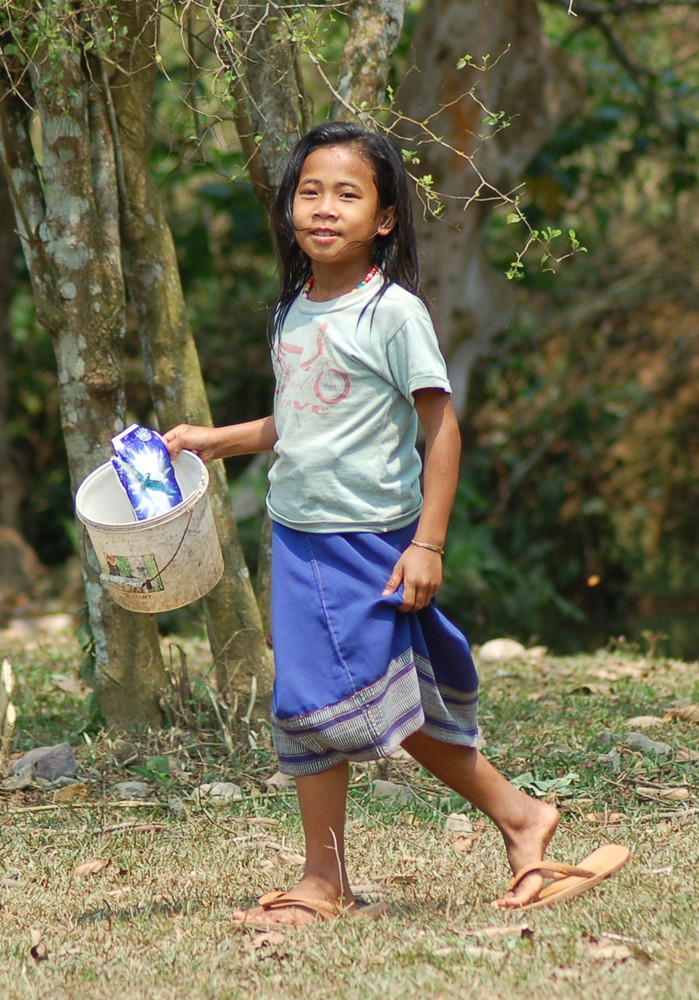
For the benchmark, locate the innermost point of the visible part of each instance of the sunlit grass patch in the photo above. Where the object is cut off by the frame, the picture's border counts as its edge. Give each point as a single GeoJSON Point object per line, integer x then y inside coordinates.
{"type": "Point", "coordinates": [102, 898]}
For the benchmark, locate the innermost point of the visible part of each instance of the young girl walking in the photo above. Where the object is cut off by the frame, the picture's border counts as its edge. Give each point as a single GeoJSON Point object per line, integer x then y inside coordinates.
{"type": "Point", "coordinates": [364, 661]}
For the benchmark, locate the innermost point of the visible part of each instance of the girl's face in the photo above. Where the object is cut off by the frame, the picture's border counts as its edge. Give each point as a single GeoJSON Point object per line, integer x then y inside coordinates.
{"type": "Point", "coordinates": [336, 211]}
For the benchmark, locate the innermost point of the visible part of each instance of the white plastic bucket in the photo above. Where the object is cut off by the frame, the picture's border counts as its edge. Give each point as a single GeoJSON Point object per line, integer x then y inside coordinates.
{"type": "Point", "coordinates": [164, 562]}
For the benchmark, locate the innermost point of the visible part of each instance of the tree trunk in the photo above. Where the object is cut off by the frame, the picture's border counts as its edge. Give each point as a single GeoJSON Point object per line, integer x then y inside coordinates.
{"type": "Point", "coordinates": [65, 207]}
{"type": "Point", "coordinates": [11, 489]}
{"type": "Point", "coordinates": [242, 660]}
{"type": "Point", "coordinates": [255, 41]}
{"type": "Point", "coordinates": [375, 29]}
{"type": "Point", "coordinates": [512, 70]}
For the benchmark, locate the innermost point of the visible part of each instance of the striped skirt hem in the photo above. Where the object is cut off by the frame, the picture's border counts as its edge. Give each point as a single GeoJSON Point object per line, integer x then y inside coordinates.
{"type": "Point", "coordinates": [373, 723]}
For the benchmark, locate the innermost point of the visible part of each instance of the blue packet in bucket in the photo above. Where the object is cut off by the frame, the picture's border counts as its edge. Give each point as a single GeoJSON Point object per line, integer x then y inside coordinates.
{"type": "Point", "coordinates": [144, 468]}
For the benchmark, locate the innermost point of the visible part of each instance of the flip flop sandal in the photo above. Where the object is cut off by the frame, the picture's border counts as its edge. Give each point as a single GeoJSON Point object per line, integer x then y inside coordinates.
{"type": "Point", "coordinates": [572, 880]}
{"type": "Point", "coordinates": [320, 908]}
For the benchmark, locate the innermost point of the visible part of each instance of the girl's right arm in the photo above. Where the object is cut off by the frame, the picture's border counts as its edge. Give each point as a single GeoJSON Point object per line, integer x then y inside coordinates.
{"type": "Point", "coordinates": [222, 442]}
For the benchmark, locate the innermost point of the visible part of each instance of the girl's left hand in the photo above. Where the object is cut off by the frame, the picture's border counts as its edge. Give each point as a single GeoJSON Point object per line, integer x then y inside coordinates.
{"type": "Point", "coordinates": [420, 572]}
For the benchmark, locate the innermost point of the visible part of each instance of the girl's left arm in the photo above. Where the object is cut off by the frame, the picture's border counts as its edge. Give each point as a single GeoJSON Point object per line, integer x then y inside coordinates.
{"type": "Point", "coordinates": [420, 569]}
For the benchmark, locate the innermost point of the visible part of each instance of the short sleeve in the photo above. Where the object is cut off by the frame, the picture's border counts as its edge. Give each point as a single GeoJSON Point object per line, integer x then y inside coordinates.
{"type": "Point", "coordinates": [413, 355]}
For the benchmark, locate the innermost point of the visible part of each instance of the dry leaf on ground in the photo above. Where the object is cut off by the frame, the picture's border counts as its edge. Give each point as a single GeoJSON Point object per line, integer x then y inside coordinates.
{"type": "Point", "coordinates": [676, 794]}
{"type": "Point", "coordinates": [591, 689]}
{"type": "Point", "coordinates": [77, 792]}
{"type": "Point", "coordinates": [291, 858]}
{"type": "Point", "coordinates": [621, 669]}
{"type": "Point", "coordinates": [613, 948]}
{"type": "Point", "coordinates": [10, 882]}
{"type": "Point", "coordinates": [465, 843]}
{"type": "Point", "coordinates": [92, 866]}
{"type": "Point", "coordinates": [280, 781]}
{"type": "Point", "coordinates": [120, 892]}
{"type": "Point", "coordinates": [688, 713]}
{"type": "Point", "coordinates": [606, 817]}
{"type": "Point", "coordinates": [497, 930]}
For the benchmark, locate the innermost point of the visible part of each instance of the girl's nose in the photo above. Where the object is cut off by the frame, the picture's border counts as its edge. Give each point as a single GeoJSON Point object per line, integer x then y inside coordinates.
{"type": "Point", "coordinates": [325, 208]}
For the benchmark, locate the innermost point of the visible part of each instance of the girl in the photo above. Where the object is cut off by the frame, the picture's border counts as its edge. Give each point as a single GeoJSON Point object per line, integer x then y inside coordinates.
{"type": "Point", "coordinates": [364, 661]}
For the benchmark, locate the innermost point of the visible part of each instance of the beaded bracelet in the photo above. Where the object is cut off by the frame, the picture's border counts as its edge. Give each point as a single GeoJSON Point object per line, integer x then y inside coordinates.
{"type": "Point", "coordinates": [426, 545]}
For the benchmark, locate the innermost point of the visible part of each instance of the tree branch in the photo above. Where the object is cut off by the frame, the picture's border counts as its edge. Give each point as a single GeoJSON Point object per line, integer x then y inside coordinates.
{"type": "Point", "coordinates": [616, 8]}
{"type": "Point", "coordinates": [257, 44]}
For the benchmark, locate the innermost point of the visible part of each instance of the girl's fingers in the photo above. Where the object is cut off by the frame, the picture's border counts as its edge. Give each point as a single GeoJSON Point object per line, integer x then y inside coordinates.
{"type": "Point", "coordinates": [191, 437]}
{"type": "Point", "coordinates": [417, 598]}
{"type": "Point", "coordinates": [394, 581]}
{"type": "Point", "coordinates": [174, 439]}
{"type": "Point", "coordinates": [409, 599]}
{"type": "Point", "coordinates": [417, 604]}
{"type": "Point", "coordinates": [419, 587]}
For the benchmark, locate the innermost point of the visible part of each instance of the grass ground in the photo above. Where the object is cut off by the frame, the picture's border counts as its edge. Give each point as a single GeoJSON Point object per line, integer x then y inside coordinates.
{"type": "Point", "coordinates": [153, 920]}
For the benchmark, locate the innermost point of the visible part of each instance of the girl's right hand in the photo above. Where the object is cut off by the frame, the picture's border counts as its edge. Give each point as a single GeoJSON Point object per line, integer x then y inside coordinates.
{"type": "Point", "coordinates": [420, 572]}
{"type": "Point", "coordinates": [201, 440]}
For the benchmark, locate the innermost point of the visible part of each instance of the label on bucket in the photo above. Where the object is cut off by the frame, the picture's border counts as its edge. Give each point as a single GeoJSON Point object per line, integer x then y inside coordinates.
{"type": "Point", "coordinates": [134, 572]}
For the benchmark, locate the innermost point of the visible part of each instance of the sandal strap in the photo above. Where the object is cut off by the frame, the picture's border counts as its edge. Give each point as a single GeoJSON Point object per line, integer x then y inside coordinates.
{"type": "Point", "coordinates": [552, 870]}
{"type": "Point", "coordinates": [280, 900]}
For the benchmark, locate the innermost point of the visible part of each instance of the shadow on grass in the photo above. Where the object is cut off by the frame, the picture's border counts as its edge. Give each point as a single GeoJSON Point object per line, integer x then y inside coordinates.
{"type": "Point", "coordinates": [106, 914]}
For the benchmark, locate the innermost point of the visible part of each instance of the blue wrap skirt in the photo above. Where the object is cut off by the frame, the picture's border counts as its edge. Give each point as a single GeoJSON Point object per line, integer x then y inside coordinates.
{"type": "Point", "coordinates": [354, 676]}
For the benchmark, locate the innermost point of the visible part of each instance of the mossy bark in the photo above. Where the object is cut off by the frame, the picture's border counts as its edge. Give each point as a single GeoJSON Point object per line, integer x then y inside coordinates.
{"type": "Point", "coordinates": [64, 201]}
{"type": "Point", "coordinates": [375, 29]}
{"type": "Point", "coordinates": [12, 489]}
{"type": "Point", "coordinates": [241, 657]}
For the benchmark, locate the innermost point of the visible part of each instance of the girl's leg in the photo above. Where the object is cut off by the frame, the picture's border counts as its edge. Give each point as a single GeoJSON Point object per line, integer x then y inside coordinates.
{"type": "Point", "coordinates": [322, 801]}
{"type": "Point", "coordinates": [526, 824]}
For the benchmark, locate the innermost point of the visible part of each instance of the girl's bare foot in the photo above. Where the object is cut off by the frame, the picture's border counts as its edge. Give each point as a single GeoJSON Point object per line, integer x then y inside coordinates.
{"type": "Point", "coordinates": [527, 845]}
{"type": "Point", "coordinates": [526, 824]}
{"type": "Point", "coordinates": [323, 901]}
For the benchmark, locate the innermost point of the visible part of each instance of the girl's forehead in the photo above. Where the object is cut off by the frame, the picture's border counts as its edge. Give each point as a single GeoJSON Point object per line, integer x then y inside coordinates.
{"type": "Point", "coordinates": [343, 160]}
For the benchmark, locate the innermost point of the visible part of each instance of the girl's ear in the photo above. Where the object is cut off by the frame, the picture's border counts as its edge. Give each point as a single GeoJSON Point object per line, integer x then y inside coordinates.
{"type": "Point", "coordinates": [387, 221]}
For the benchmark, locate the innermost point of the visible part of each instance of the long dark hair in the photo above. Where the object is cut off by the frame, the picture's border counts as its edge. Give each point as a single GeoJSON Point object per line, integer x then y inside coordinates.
{"type": "Point", "coordinates": [395, 254]}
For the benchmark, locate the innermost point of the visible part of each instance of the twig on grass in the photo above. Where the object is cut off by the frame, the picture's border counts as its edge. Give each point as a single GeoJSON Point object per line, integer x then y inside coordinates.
{"type": "Point", "coordinates": [678, 814]}
{"type": "Point", "coordinates": [125, 804]}
{"type": "Point", "coordinates": [130, 804]}
{"type": "Point", "coordinates": [131, 828]}
{"type": "Point", "coordinates": [252, 820]}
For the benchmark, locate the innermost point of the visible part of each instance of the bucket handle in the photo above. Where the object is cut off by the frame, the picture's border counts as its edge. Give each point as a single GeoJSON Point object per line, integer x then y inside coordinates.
{"type": "Point", "coordinates": [126, 582]}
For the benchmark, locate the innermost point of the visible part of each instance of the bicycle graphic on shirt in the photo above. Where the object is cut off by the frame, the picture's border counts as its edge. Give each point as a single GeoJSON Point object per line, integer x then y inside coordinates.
{"type": "Point", "coordinates": [330, 385]}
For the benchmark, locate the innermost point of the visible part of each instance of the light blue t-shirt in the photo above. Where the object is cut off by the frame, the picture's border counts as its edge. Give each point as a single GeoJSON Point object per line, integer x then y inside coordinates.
{"type": "Point", "coordinates": [344, 410]}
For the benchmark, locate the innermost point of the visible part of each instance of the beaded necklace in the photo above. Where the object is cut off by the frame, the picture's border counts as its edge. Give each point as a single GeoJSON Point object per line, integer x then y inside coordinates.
{"type": "Point", "coordinates": [365, 281]}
